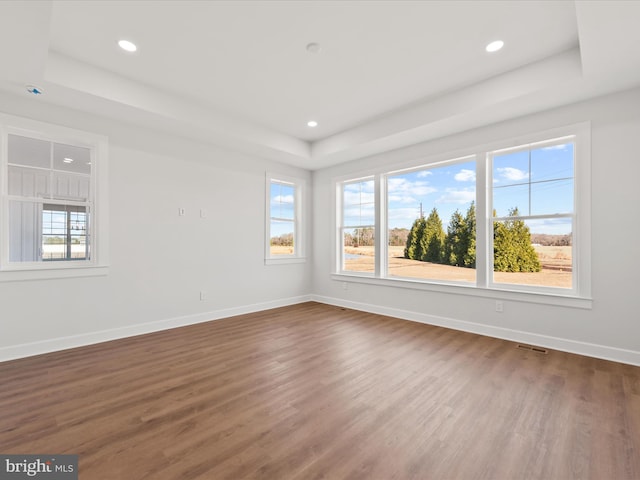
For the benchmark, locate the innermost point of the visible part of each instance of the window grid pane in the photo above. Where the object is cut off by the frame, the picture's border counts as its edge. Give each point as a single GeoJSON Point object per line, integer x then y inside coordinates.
{"type": "Point", "coordinates": [533, 203]}
{"type": "Point", "coordinates": [64, 230]}
{"type": "Point", "coordinates": [431, 220]}
{"type": "Point", "coordinates": [358, 204]}
{"type": "Point", "coordinates": [40, 171]}
{"type": "Point", "coordinates": [282, 219]}
{"type": "Point", "coordinates": [359, 249]}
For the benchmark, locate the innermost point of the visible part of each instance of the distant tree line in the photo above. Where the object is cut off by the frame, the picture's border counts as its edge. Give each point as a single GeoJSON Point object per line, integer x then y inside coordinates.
{"type": "Point", "coordinates": [60, 241]}
{"type": "Point", "coordinates": [285, 240]}
{"type": "Point", "coordinates": [364, 237]}
{"type": "Point", "coordinates": [551, 240]}
{"type": "Point", "coordinates": [513, 251]}
{"type": "Point", "coordinates": [361, 237]}
{"type": "Point", "coordinates": [398, 237]}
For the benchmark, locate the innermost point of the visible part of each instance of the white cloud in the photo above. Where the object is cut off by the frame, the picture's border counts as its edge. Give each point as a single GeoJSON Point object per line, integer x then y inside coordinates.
{"type": "Point", "coordinates": [355, 198]}
{"type": "Point", "coordinates": [514, 174]}
{"type": "Point", "coordinates": [465, 175]}
{"type": "Point", "coordinates": [460, 197]}
{"type": "Point", "coordinates": [402, 199]}
{"type": "Point", "coordinates": [399, 186]}
{"type": "Point", "coordinates": [356, 215]}
{"type": "Point", "coordinates": [403, 217]}
{"type": "Point", "coordinates": [282, 199]}
{"type": "Point", "coordinates": [424, 173]}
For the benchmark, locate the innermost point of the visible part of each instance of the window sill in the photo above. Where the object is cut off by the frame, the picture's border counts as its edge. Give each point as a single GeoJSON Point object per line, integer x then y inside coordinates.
{"type": "Point", "coordinates": [471, 290]}
{"type": "Point", "coordinates": [284, 260]}
{"type": "Point", "coordinates": [25, 274]}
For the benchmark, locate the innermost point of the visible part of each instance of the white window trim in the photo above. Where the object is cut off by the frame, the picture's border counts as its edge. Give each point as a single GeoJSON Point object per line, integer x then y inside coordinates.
{"type": "Point", "coordinates": [299, 239]}
{"type": "Point", "coordinates": [339, 258]}
{"type": "Point", "coordinates": [99, 261]}
{"type": "Point", "coordinates": [578, 297]}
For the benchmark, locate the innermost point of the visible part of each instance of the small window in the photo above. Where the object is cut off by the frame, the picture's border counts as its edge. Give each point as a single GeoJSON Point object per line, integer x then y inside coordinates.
{"type": "Point", "coordinates": [64, 233]}
{"type": "Point", "coordinates": [49, 216]}
{"type": "Point", "coordinates": [43, 171]}
{"type": "Point", "coordinates": [284, 236]}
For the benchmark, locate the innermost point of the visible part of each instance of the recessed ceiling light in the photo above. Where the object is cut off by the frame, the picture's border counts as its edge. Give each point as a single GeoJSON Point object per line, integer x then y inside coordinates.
{"type": "Point", "coordinates": [313, 48]}
{"type": "Point", "coordinates": [67, 160]}
{"type": "Point", "coordinates": [127, 45]}
{"type": "Point", "coordinates": [312, 123]}
{"type": "Point", "coordinates": [494, 46]}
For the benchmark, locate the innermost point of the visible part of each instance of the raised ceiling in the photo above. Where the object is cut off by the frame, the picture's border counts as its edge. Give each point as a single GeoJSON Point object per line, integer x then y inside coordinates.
{"type": "Point", "coordinates": [388, 73]}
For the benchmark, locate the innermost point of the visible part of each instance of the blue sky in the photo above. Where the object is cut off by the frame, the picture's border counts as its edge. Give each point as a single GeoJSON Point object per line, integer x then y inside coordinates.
{"type": "Point", "coordinates": [538, 184]}
{"type": "Point", "coordinates": [447, 188]}
{"type": "Point", "coordinates": [282, 204]}
{"type": "Point", "coordinates": [546, 175]}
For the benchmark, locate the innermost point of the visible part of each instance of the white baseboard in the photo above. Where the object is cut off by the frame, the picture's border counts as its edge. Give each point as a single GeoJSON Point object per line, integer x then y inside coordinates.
{"type": "Point", "coordinates": [63, 343]}
{"type": "Point", "coordinates": [588, 349]}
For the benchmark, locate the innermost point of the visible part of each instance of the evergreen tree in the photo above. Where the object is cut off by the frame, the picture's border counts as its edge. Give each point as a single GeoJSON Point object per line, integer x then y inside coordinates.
{"type": "Point", "coordinates": [455, 242]}
{"type": "Point", "coordinates": [512, 247]}
{"type": "Point", "coordinates": [434, 238]}
{"type": "Point", "coordinates": [415, 240]}
{"type": "Point", "coordinates": [469, 259]}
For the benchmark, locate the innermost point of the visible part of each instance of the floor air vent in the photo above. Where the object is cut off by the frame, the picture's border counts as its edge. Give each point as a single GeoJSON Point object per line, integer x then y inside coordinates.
{"type": "Point", "coordinates": [533, 348]}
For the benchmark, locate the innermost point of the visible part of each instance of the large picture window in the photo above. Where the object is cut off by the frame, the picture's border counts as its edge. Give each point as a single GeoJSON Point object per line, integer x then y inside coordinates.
{"type": "Point", "coordinates": [49, 186]}
{"type": "Point", "coordinates": [431, 222]}
{"type": "Point", "coordinates": [513, 218]}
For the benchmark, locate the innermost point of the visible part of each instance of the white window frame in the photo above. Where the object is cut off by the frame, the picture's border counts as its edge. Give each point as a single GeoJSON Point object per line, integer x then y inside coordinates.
{"type": "Point", "coordinates": [299, 185]}
{"type": "Point", "coordinates": [341, 228]}
{"type": "Point", "coordinates": [577, 297]}
{"type": "Point", "coordinates": [576, 237]}
{"type": "Point", "coordinates": [98, 145]}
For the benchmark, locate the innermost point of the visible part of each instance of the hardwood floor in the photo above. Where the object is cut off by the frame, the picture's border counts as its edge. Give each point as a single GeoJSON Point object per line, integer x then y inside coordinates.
{"type": "Point", "coordinates": [313, 391]}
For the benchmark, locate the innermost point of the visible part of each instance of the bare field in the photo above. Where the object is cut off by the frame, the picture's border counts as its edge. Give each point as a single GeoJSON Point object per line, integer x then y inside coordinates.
{"type": "Point", "coordinates": [556, 267]}
{"type": "Point", "coordinates": [281, 250]}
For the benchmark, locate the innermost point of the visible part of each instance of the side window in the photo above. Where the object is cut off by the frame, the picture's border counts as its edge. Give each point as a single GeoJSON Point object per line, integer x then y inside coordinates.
{"type": "Point", "coordinates": [49, 200]}
{"type": "Point", "coordinates": [49, 217]}
{"type": "Point", "coordinates": [357, 229]}
{"type": "Point", "coordinates": [533, 215]}
{"type": "Point", "coordinates": [284, 227]}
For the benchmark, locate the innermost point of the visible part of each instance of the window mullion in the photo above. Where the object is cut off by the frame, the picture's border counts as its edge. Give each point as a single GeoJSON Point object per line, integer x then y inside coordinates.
{"type": "Point", "coordinates": [380, 226]}
{"type": "Point", "coordinates": [484, 245]}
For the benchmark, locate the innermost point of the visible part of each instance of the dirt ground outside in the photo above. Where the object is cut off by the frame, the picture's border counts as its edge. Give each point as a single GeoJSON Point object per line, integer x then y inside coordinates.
{"type": "Point", "coordinates": [556, 267]}
{"type": "Point", "coordinates": [281, 250]}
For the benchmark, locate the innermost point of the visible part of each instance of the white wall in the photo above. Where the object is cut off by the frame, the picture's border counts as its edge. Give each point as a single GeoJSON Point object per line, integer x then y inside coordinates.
{"type": "Point", "coordinates": [611, 329]}
{"type": "Point", "coordinates": [159, 261]}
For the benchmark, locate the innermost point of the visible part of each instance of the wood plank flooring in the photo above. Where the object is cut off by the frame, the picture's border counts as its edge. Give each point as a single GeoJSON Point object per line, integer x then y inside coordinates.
{"type": "Point", "coordinates": [319, 392]}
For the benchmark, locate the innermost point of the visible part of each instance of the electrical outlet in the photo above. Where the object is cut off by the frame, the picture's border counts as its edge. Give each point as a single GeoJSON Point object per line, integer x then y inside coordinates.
{"type": "Point", "coordinates": [345, 286]}
{"type": "Point", "coordinates": [181, 212]}
{"type": "Point", "coordinates": [499, 306]}
{"type": "Point", "coordinates": [203, 296]}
